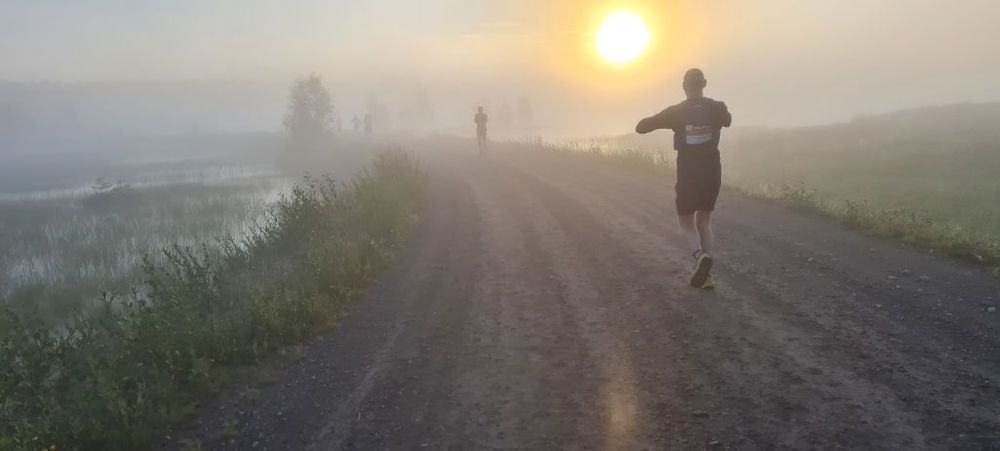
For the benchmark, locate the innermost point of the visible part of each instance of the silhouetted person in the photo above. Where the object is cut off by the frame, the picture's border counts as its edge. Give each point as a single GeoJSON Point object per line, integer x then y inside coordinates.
{"type": "Point", "coordinates": [481, 138]}
{"type": "Point", "coordinates": [697, 124]}
{"type": "Point", "coordinates": [368, 124]}
{"type": "Point", "coordinates": [357, 124]}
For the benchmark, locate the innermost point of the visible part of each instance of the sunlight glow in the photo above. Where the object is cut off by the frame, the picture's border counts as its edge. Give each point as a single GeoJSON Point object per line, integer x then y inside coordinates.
{"type": "Point", "coordinates": [622, 37]}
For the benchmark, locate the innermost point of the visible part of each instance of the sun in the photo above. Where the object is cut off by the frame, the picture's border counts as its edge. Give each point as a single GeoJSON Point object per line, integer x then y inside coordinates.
{"type": "Point", "coordinates": [622, 37]}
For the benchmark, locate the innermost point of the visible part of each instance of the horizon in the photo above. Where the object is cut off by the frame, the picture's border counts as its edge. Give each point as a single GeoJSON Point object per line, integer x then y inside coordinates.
{"type": "Point", "coordinates": [459, 53]}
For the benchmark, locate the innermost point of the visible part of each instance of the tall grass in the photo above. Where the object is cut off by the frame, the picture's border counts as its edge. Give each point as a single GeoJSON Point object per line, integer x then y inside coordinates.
{"type": "Point", "coordinates": [116, 377]}
{"type": "Point", "coordinates": [608, 152]}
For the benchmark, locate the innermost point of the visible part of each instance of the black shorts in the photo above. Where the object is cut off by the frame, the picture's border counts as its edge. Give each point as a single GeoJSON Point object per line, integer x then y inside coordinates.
{"type": "Point", "coordinates": [699, 178]}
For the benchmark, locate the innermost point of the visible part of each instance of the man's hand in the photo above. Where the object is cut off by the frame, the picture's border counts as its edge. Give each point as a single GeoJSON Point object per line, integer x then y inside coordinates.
{"type": "Point", "coordinates": [726, 119]}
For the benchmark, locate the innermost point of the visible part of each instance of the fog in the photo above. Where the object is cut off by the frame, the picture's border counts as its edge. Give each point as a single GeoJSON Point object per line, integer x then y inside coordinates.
{"type": "Point", "coordinates": [100, 67]}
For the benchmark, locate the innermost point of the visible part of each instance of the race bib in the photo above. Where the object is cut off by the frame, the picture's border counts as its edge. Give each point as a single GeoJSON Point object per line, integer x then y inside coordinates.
{"type": "Point", "coordinates": [698, 134]}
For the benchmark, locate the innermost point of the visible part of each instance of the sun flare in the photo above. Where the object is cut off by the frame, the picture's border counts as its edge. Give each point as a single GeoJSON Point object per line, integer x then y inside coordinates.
{"type": "Point", "coordinates": [622, 37]}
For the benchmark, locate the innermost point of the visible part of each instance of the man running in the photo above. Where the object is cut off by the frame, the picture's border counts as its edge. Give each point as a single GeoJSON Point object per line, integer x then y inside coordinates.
{"type": "Point", "coordinates": [697, 124]}
{"type": "Point", "coordinates": [480, 120]}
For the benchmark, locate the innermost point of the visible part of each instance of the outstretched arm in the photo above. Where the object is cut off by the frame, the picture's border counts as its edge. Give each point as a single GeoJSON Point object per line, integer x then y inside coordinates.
{"type": "Point", "coordinates": [727, 118]}
{"type": "Point", "coordinates": [659, 121]}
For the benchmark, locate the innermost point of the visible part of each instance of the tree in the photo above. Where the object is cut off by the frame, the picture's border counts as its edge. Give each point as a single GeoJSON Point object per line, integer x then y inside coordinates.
{"type": "Point", "coordinates": [309, 121]}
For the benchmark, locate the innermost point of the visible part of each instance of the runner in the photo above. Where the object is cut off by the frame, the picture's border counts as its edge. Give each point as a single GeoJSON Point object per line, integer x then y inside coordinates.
{"type": "Point", "coordinates": [697, 124]}
{"type": "Point", "coordinates": [357, 124]}
{"type": "Point", "coordinates": [481, 139]}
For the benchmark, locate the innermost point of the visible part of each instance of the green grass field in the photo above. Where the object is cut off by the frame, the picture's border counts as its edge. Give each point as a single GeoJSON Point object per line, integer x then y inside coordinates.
{"type": "Point", "coordinates": [941, 163]}
{"type": "Point", "coordinates": [926, 176]}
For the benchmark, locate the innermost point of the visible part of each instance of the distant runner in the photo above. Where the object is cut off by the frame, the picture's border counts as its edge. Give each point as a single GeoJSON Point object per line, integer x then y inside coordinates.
{"type": "Point", "coordinates": [697, 124]}
{"type": "Point", "coordinates": [481, 139]}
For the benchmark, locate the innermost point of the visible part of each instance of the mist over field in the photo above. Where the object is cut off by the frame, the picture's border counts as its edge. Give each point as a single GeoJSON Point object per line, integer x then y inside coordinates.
{"type": "Point", "coordinates": [188, 187]}
{"type": "Point", "coordinates": [105, 67]}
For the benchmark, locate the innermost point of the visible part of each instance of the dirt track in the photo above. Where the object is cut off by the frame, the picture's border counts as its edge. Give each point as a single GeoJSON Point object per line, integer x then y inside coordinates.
{"type": "Point", "coordinates": [542, 304]}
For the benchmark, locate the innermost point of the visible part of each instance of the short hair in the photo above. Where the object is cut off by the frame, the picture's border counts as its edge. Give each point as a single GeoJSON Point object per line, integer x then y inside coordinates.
{"type": "Point", "coordinates": [694, 77]}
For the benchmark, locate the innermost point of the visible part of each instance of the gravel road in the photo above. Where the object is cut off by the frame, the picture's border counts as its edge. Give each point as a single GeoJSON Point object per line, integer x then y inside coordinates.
{"type": "Point", "coordinates": [542, 304]}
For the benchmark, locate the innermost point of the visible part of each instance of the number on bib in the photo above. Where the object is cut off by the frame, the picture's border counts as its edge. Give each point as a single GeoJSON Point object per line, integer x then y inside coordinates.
{"type": "Point", "coordinates": [698, 134]}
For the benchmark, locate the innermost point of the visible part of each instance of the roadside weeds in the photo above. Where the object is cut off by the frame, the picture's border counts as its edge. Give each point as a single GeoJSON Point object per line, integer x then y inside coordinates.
{"type": "Point", "coordinates": [118, 377]}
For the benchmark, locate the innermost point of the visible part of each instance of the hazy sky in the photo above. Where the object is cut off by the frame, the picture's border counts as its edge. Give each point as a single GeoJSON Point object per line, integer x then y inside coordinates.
{"type": "Point", "coordinates": [775, 62]}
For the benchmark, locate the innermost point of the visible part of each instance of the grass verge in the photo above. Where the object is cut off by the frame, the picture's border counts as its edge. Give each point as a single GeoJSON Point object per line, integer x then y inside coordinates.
{"type": "Point", "coordinates": [118, 377]}
{"type": "Point", "coordinates": [900, 224]}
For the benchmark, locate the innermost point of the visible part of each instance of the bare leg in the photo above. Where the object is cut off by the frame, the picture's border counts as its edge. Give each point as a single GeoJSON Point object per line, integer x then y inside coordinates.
{"type": "Point", "coordinates": [687, 225]}
{"type": "Point", "coordinates": [703, 221]}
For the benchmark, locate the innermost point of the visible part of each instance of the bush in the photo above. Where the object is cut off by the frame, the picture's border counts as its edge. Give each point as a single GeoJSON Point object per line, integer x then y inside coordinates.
{"type": "Point", "coordinates": [116, 378]}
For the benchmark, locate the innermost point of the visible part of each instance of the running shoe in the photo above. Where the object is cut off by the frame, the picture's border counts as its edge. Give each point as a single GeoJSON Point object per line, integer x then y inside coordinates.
{"type": "Point", "coordinates": [709, 284]}
{"type": "Point", "coordinates": [702, 266]}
